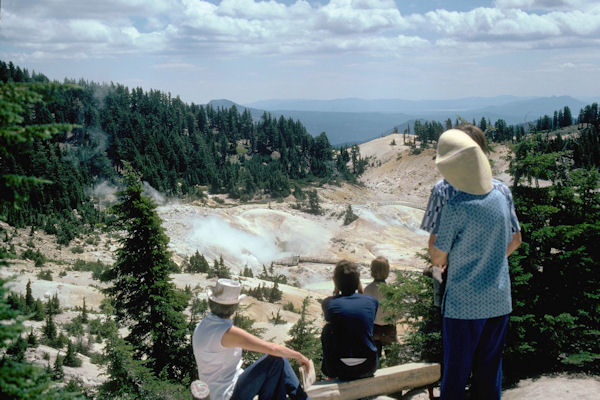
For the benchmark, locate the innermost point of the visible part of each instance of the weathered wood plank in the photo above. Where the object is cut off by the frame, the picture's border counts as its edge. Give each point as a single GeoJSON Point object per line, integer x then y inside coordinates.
{"type": "Point", "coordinates": [385, 381]}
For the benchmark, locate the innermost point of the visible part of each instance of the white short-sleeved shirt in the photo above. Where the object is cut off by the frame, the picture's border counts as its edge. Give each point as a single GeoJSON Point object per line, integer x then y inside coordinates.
{"type": "Point", "coordinates": [443, 191]}
{"type": "Point", "coordinates": [218, 366]}
{"type": "Point", "coordinates": [475, 231]}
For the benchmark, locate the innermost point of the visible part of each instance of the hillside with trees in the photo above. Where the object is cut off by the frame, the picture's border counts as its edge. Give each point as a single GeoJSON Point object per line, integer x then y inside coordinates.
{"type": "Point", "coordinates": [179, 149]}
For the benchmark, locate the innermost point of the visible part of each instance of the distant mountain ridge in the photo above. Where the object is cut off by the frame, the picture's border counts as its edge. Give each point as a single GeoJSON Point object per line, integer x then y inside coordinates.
{"type": "Point", "coordinates": [354, 120]}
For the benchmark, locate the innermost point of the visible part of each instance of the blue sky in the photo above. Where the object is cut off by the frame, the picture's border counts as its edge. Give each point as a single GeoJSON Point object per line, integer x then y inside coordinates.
{"type": "Point", "coordinates": [247, 50]}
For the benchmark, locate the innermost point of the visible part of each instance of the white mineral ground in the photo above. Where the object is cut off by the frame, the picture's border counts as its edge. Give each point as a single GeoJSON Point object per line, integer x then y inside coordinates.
{"type": "Point", "coordinates": [389, 203]}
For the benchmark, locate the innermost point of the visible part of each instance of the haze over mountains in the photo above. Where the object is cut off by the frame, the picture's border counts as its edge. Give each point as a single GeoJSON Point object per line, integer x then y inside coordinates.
{"type": "Point", "coordinates": [353, 120]}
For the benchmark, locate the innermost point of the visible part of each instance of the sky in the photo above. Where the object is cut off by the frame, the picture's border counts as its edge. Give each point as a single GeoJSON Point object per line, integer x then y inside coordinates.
{"type": "Point", "coordinates": [249, 50]}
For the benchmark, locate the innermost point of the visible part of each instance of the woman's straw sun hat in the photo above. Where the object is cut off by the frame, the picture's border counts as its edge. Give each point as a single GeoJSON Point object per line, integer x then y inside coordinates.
{"type": "Point", "coordinates": [462, 162]}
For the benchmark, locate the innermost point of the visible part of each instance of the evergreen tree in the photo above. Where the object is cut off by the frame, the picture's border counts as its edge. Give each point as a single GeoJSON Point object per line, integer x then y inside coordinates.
{"type": "Point", "coordinates": [84, 314]}
{"type": "Point", "coordinates": [29, 300]}
{"type": "Point", "coordinates": [32, 339]}
{"type": "Point", "coordinates": [314, 205]}
{"type": "Point", "coordinates": [196, 263]}
{"type": "Point", "coordinates": [71, 359]}
{"type": "Point", "coordinates": [129, 378]}
{"type": "Point", "coordinates": [17, 349]}
{"type": "Point", "coordinates": [144, 297]}
{"type": "Point", "coordinates": [349, 216]}
{"type": "Point", "coordinates": [19, 379]}
{"type": "Point", "coordinates": [49, 329]}
{"type": "Point", "coordinates": [304, 338]}
{"type": "Point", "coordinates": [57, 369]}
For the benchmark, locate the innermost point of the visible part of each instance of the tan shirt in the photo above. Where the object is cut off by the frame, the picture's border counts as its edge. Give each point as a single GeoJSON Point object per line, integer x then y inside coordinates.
{"type": "Point", "coordinates": [372, 290]}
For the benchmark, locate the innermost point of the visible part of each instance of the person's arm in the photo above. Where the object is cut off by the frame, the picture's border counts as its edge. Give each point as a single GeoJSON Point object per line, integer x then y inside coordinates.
{"type": "Point", "coordinates": [438, 257]}
{"type": "Point", "coordinates": [514, 243]}
{"type": "Point", "coordinates": [236, 337]}
{"type": "Point", "coordinates": [433, 249]}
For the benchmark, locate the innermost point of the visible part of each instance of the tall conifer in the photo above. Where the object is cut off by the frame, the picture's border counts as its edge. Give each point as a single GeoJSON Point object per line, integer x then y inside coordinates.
{"type": "Point", "coordinates": [145, 299]}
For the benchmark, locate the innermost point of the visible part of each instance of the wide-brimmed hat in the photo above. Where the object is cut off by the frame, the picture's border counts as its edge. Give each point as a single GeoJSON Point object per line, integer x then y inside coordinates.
{"type": "Point", "coordinates": [462, 162]}
{"type": "Point", "coordinates": [226, 291]}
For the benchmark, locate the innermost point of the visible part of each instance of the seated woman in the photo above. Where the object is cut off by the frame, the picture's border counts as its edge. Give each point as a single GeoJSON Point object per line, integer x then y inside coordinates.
{"type": "Point", "coordinates": [218, 346]}
{"type": "Point", "coordinates": [349, 351]}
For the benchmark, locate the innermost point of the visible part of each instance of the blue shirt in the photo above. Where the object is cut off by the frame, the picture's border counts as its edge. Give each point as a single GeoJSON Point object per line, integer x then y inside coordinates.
{"type": "Point", "coordinates": [475, 231]}
{"type": "Point", "coordinates": [443, 191]}
{"type": "Point", "coordinates": [351, 318]}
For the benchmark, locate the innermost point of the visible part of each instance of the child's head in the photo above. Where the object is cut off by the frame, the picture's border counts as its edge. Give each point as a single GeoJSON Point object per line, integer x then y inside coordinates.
{"type": "Point", "coordinates": [346, 277]}
{"type": "Point", "coordinates": [380, 268]}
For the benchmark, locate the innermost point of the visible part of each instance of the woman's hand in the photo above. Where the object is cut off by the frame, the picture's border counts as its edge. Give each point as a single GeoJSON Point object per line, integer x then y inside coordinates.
{"type": "Point", "coordinates": [305, 362]}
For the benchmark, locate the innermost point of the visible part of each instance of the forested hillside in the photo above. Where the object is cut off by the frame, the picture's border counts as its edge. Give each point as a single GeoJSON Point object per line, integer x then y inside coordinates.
{"type": "Point", "coordinates": [179, 149]}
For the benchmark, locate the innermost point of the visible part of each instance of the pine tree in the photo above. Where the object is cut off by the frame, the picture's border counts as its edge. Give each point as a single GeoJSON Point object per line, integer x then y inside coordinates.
{"type": "Point", "coordinates": [29, 300]}
{"type": "Point", "coordinates": [349, 216]}
{"type": "Point", "coordinates": [49, 329]}
{"type": "Point", "coordinates": [314, 206]}
{"type": "Point", "coordinates": [57, 370]}
{"type": "Point", "coordinates": [71, 359]}
{"type": "Point", "coordinates": [305, 339]}
{"type": "Point", "coordinates": [53, 305]}
{"type": "Point", "coordinates": [144, 296]}
{"type": "Point", "coordinates": [18, 379]}
{"type": "Point", "coordinates": [32, 339]}
{"type": "Point", "coordinates": [84, 314]}
{"type": "Point", "coordinates": [129, 378]}
{"type": "Point", "coordinates": [196, 263]}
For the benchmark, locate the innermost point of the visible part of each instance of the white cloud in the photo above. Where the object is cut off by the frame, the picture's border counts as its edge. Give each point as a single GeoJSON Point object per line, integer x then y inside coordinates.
{"type": "Point", "coordinates": [563, 5]}
{"type": "Point", "coordinates": [511, 25]}
{"type": "Point", "coordinates": [181, 28]}
{"type": "Point", "coordinates": [567, 65]}
{"type": "Point", "coordinates": [175, 65]}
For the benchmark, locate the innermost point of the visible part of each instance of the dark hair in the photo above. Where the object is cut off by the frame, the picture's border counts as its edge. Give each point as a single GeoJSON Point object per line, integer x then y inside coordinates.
{"type": "Point", "coordinates": [476, 134]}
{"type": "Point", "coordinates": [380, 268]}
{"type": "Point", "coordinates": [346, 277]}
{"type": "Point", "coordinates": [222, 310]}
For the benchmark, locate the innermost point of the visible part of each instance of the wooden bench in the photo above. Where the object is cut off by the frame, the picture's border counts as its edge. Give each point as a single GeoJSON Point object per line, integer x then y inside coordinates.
{"type": "Point", "coordinates": [385, 381]}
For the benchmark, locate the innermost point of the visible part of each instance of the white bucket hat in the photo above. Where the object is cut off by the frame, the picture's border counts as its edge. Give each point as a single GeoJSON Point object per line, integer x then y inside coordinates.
{"type": "Point", "coordinates": [226, 291]}
{"type": "Point", "coordinates": [462, 162]}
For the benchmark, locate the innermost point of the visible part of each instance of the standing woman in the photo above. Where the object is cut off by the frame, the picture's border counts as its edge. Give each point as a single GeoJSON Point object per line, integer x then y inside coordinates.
{"type": "Point", "coordinates": [474, 239]}
{"type": "Point", "coordinates": [218, 346]}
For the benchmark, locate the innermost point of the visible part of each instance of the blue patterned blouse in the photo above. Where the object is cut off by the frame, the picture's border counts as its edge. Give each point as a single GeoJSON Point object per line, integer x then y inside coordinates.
{"type": "Point", "coordinates": [443, 191]}
{"type": "Point", "coordinates": [475, 230]}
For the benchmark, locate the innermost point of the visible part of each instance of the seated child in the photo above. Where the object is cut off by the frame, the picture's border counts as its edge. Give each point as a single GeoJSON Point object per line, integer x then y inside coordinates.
{"type": "Point", "coordinates": [349, 351]}
{"type": "Point", "coordinates": [384, 333]}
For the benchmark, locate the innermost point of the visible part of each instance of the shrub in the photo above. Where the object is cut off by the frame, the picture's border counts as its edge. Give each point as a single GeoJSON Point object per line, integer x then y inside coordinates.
{"type": "Point", "coordinates": [97, 268]}
{"type": "Point", "coordinates": [75, 327]}
{"type": "Point", "coordinates": [277, 319]}
{"type": "Point", "coordinates": [289, 306]}
{"type": "Point", "coordinates": [77, 249]}
{"type": "Point", "coordinates": [349, 216]}
{"type": "Point", "coordinates": [35, 255]}
{"type": "Point", "coordinates": [45, 275]}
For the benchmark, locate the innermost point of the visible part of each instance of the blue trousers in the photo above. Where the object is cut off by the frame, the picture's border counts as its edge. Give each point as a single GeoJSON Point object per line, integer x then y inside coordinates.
{"type": "Point", "coordinates": [473, 346]}
{"type": "Point", "coordinates": [271, 378]}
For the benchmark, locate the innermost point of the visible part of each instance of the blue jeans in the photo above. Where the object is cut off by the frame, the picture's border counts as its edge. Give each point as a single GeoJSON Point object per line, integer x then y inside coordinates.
{"type": "Point", "coordinates": [473, 346]}
{"type": "Point", "coordinates": [271, 378]}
